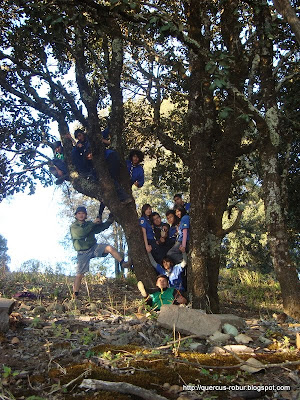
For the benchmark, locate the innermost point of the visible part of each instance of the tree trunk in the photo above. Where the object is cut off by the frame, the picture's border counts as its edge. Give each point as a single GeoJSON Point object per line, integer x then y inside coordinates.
{"type": "Point", "coordinates": [275, 220]}
{"type": "Point", "coordinates": [285, 8]}
{"type": "Point", "coordinates": [277, 233]}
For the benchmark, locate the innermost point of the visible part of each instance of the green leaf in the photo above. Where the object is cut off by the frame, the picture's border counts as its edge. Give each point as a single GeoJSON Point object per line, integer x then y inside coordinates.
{"type": "Point", "coordinates": [153, 20]}
{"type": "Point", "coordinates": [224, 112]}
{"type": "Point", "coordinates": [245, 117]}
{"type": "Point", "coordinates": [210, 67]}
{"type": "Point", "coordinates": [165, 27]}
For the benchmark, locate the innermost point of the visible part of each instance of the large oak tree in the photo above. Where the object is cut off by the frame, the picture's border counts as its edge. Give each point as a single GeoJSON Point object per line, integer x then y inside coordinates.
{"type": "Point", "coordinates": [215, 59]}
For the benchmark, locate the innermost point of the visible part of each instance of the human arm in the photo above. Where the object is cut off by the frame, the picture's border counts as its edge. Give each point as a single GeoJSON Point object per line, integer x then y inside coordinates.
{"type": "Point", "coordinates": [105, 136]}
{"type": "Point", "coordinates": [147, 246]}
{"type": "Point", "coordinates": [68, 136]}
{"type": "Point", "coordinates": [136, 173]}
{"type": "Point", "coordinates": [184, 239]}
{"type": "Point", "coordinates": [140, 177]}
{"type": "Point", "coordinates": [99, 226]}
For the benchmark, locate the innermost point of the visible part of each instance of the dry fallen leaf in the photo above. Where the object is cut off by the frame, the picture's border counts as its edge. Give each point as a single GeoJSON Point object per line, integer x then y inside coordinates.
{"type": "Point", "coordinates": [252, 366]}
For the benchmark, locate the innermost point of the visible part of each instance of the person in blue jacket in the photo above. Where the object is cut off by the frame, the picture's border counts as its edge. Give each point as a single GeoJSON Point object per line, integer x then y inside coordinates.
{"type": "Point", "coordinates": [82, 156]}
{"type": "Point", "coordinates": [178, 201]}
{"type": "Point", "coordinates": [148, 233]}
{"type": "Point", "coordinates": [82, 159]}
{"type": "Point", "coordinates": [180, 248]}
{"type": "Point", "coordinates": [145, 223]}
{"type": "Point", "coordinates": [173, 272]}
{"type": "Point", "coordinates": [135, 169]}
{"type": "Point", "coordinates": [173, 222]}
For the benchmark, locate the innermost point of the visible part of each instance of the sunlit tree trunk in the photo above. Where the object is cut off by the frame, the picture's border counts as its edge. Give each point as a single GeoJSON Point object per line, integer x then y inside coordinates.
{"type": "Point", "coordinates": [275, 220]}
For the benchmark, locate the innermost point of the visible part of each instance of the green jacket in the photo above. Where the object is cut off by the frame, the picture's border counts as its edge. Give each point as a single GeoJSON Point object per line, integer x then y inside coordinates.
{"type": "Point", "coordinates": [83, 234]}
{"type": "Point", "coordinates": [162, 297]}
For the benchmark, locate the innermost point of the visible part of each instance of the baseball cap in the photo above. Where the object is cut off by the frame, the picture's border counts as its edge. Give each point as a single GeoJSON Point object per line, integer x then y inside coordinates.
{"type": "Point", "coordinates": [80, 209]}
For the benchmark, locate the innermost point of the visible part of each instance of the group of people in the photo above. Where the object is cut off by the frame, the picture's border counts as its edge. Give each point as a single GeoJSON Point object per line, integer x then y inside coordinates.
{"type": "Point", "coordinates": [167, 246]}
{"type": "Point", "coordinates": [166, 242]}
{"type": "Point", "coordinates": [82, 159]}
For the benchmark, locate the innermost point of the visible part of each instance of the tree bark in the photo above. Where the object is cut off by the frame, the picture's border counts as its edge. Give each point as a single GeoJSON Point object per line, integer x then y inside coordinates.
{"type": "Point", "coordinates": [277, 232]}
{"type": "Point", "coordinates": [275, 220]}
{"type": "Point", "coordinates": [285, 8]}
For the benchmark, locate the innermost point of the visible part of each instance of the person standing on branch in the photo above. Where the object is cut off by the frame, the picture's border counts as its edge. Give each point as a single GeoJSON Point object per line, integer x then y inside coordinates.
{"type": "Point", "coordinates": [83, 236]}
{"type": "Point", "coordinates": [135, 169]}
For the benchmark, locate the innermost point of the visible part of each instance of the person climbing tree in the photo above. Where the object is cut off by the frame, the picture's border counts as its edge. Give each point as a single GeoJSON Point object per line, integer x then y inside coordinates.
{"type": "Point", "coordinates": [83, 236]}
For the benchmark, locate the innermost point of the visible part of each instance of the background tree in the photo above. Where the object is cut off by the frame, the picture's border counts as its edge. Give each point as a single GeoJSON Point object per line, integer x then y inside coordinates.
{"type": "Point", "coordinates": [4, 257]}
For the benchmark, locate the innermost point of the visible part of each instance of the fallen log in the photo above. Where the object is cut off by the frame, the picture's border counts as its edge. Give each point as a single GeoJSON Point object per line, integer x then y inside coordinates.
{"type": "Point", "coordinates": [120, 387]}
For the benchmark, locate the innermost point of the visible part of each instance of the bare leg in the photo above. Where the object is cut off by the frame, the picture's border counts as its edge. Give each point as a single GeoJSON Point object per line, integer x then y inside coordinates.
{"type": "Point", "coordinates": [111, 250]}
{"type": "Point", "coordinates": [77, 283]}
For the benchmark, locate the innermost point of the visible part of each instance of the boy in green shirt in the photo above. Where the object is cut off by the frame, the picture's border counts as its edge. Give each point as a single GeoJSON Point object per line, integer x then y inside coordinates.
{"type": "Point", "coordinates": [83, 236]}
{"type": "Point", "coordinates": [163, 295]}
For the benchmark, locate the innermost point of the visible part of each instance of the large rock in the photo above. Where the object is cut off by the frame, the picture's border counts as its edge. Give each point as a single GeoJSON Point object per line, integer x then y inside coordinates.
{"type": "Point", "coordinates": [195, 322]}
{"type": "Point", "coordinates": [231, 319]}
{"type": "Point", "coordinates": [188, 320]}
{"type": "Point", "coordinates": [6, 307]}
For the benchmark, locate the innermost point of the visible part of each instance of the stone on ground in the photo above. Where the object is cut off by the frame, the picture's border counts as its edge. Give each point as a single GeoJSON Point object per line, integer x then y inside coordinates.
{"type": "Point", "coordinates": [195, 322]}
{"type": "Point", "coordinates": [188, 321]}
{"type": "Point", "coordinates": [6, 307]}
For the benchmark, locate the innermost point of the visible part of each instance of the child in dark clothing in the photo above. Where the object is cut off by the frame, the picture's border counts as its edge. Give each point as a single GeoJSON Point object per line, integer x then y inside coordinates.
{"type": "Point", "coordinates": [135, 169]}
{"type": "Point", "coordinates": [59, 168]}
{"type": "Point", "coordinates": [163, 295]}
{"type": "Point", "coordinates": [82, 157]}
{"type": "Point", "coordinates": [161, 231]}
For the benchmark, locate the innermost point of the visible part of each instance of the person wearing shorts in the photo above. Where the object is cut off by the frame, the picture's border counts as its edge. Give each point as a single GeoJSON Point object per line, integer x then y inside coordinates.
{"type": "Point", "coordinates": [83, 236]}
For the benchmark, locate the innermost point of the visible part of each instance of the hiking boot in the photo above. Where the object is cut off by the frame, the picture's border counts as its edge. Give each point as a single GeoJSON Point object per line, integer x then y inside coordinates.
{"type": "Point", "coordinates": [125, 264]}
{"type": "Point", "coordinates": [142, 289]}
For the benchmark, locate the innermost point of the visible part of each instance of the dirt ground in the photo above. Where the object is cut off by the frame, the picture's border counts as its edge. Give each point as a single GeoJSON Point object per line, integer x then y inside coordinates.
{"type": "Point", "coordinates": [53, 342]}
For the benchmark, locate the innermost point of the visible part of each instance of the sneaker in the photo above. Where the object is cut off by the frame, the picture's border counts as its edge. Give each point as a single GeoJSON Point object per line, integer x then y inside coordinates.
{"type": "Point", "coordinates": [125, 264]}
{"type": "Point", "coordinates": [142, 289]}
{"type": "Point", "coordinates": [60, 180]}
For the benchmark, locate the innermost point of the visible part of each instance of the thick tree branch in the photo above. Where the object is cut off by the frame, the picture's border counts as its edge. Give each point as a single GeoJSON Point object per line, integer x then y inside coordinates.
{"type": "Point", "coordinates": [285, 8]}
{"type": "Point", "coordinates": [235, 225]}
{"type": "Point", "coordinates": [246, 104]}
{"type": "Point", "coordinates": [39, 105]}
{"type": "Point", "coordinates": [47, 77]}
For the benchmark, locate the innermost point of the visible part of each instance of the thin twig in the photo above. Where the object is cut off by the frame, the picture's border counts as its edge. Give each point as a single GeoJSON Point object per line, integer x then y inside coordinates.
{"type": "Point", "coordinates": [175, 341]}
